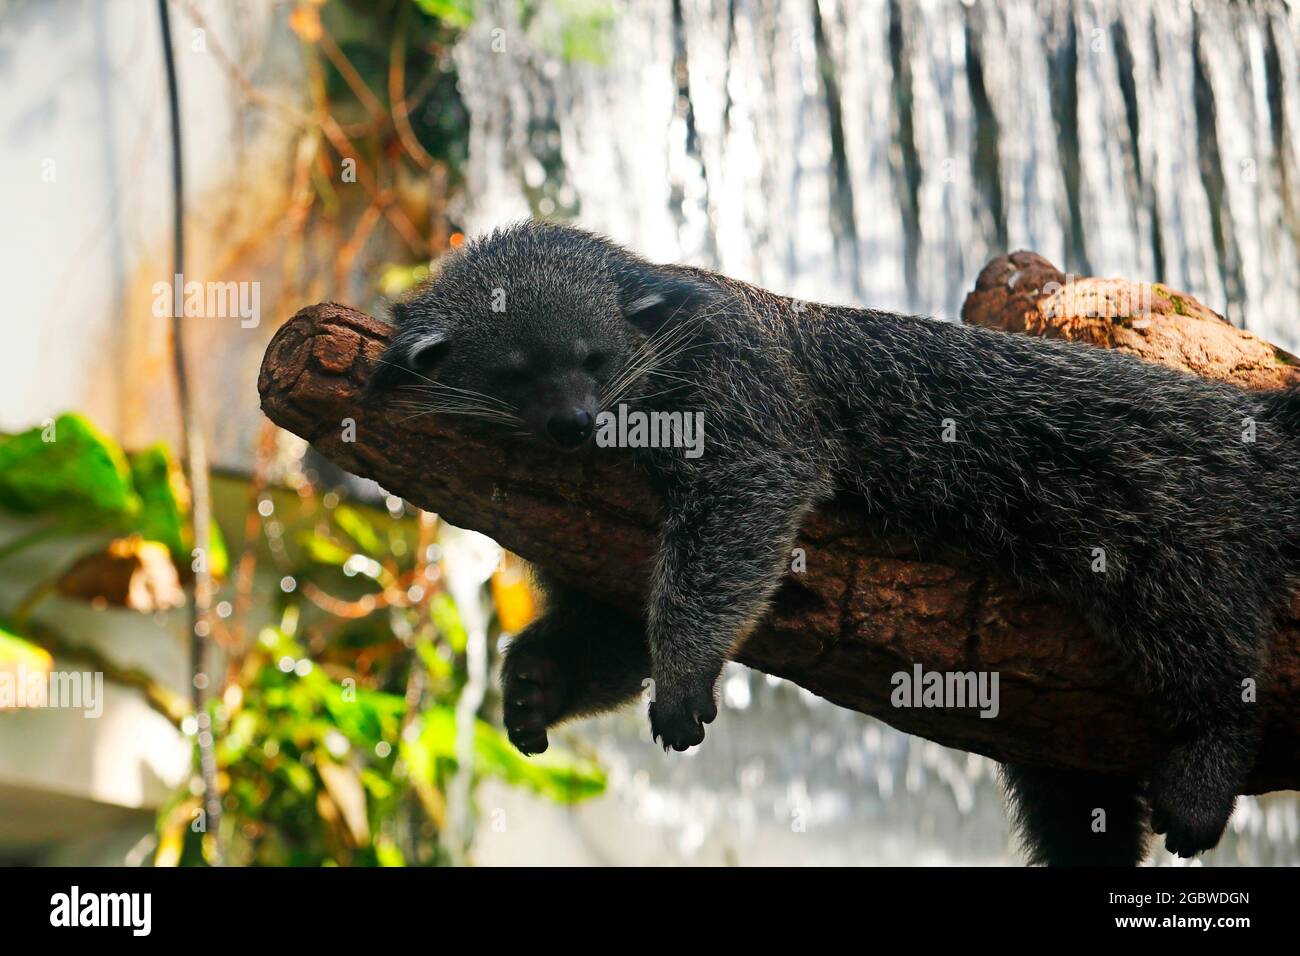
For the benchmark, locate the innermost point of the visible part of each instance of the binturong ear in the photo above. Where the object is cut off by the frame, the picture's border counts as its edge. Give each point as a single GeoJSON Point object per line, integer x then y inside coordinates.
{"type": "Point", "coordinates": [655, 297]}
{"type": "Point", "coordinates": [411, 357]}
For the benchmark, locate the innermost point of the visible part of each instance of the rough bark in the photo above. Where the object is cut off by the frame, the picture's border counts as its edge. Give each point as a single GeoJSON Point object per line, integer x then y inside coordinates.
{"type": "Point", "coordinates": [1023, 292]}
{"type": "Point", "coordinates": [865, 608]}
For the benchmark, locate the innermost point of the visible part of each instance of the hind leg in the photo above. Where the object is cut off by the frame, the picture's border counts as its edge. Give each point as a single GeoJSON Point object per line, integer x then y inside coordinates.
{"type": "Point", "coordinates": [1076, 818]}
{"type": "Point", "coordinates": [1195, 656]}
{"type": "Point", "coordinates": [581, 657]}
{"type": "Point", "coordinates": [1194, 789]}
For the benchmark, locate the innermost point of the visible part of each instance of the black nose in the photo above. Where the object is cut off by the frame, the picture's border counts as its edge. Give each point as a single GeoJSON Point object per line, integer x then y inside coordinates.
{"type": "Point", "coordinates": [570, 429]}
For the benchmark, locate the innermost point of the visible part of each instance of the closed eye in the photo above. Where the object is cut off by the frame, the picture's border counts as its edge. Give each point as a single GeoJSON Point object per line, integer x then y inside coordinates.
{"type": "Point", "coordinates": [512, 377]}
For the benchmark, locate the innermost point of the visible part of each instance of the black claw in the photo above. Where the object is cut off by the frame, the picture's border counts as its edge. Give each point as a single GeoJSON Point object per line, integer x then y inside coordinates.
{"type": "Point", "coordinates": [531, 696]}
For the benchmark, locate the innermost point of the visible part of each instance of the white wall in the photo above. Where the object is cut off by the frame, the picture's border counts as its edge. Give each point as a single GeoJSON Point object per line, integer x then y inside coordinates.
{"type": "Point", "coordinates": [86, 204]}
{"type": "Point", "coordinates": [84, 105]}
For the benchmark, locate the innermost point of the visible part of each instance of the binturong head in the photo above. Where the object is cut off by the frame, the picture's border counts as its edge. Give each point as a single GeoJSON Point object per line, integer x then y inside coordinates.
{"type": "Point", "coordinates": [538, 327]}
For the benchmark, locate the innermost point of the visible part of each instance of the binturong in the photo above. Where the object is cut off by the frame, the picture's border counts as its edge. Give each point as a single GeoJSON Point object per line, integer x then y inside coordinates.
{"type": "Point", "coordinates": [1160, 505]}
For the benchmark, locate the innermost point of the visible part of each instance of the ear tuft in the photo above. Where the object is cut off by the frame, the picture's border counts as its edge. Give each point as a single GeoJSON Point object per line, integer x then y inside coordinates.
{"type": "Point", "coordinates": [660, 297]}
{"type": "Point", "coordinates": [424, 353]}
{"type": "Point", "coordinates": [408, 360]}
{"type": "Point", "coordinates": [644, 304]}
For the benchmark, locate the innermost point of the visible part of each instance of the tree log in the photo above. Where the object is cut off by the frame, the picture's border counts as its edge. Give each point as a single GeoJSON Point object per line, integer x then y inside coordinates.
{"type": "Point", "coordinates": [866, 607]}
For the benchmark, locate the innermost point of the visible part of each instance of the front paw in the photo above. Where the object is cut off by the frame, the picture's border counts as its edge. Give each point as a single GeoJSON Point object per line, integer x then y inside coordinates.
{"type": "Point", "coordinates": [533, 692]}
{"type": "Point", "coordinates": [1190, 803]}
{"type": "Point", "coordinates": [680, 710]}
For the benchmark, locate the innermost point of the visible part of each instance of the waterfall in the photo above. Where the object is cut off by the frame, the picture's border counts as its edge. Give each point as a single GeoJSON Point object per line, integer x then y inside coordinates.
{"type": "Point", "coordinates": [880, 151]}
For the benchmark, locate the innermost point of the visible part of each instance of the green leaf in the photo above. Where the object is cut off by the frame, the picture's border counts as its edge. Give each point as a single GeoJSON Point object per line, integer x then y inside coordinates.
{"type": "Point", "coordinates": [556, 774]}
{"type": "Point", "coordinates": [378, 785]}
{"type": "Point", "coordinates": [71, 468]}
{"type": "Point", "coordinates": [446, 618]}
{"type": "Point", "coordinates": [364, 716]}
{"type": "Point", "coordinates": [322, 550]}
{"type": "Point", "coordinates": [242, 734]}
{"type": "Point", "coordinates": [161, 490]}
{"type": "Point", "coordinates": [457, 13]}
{"type": "Point", "coordinates": [387, 853]}
{"type": "Point", "coordinates": [161, 487]}
{"type": "Point", "coordinates": [299, 777]}
{"type": "Point", "coordinates": [359, 529]}
{"type": "Point", "coordinates": [17, 651]}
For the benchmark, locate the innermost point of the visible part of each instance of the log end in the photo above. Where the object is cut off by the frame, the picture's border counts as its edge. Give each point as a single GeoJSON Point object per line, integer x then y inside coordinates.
{"type": "Point", "coordinates": [1023, 292]}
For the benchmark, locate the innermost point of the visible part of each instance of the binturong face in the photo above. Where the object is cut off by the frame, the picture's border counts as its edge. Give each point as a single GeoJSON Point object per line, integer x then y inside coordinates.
{"type": "Point", "coordinates": [537, 328]}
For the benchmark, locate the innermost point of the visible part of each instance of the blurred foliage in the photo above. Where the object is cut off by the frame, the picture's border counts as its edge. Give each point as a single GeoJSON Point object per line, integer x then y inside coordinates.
{"type": "Point", "coordinates": [320, 770]}
{"type": "Point", "coordinates": [16, 653]}
{"type": "Point", "coordinates": [164, 505]}
{"type": "Point", "coordinates": [337, 731]}
{"type": "Point", "coordinates": [335, 726]}
{"type": "Point", "coordinates": [458, 13]}
{"type": "Point", "coordinates": [76, 479]}
{"type": "Point", "coordinates": [360, 601]}
{"type": "Point", "coordinates": [67, 468]}
{"type": "Point", "coordinates": [70, 479]}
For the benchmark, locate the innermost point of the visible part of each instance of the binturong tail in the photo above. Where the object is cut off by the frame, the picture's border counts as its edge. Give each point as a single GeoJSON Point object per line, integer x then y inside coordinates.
{"type": "Point", "coordinates": [1077, 818]}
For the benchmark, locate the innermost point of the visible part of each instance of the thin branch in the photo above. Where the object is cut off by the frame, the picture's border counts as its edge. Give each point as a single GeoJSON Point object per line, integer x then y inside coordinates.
{"type": "Point", "coordinates": [350, 75]}
{"type": "Point", "coordinates": [397, 96]}
{"type": "Point", "coordinates": [196, 470]}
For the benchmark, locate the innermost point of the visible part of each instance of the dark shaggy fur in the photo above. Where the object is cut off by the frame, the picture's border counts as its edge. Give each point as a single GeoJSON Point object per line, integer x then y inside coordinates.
{"type": "Point", "coordinates": [1058, 455]}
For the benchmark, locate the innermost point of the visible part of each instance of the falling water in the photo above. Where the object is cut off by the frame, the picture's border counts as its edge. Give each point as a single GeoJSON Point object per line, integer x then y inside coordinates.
{"type": "Point", "coordinates": [880, 152]}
